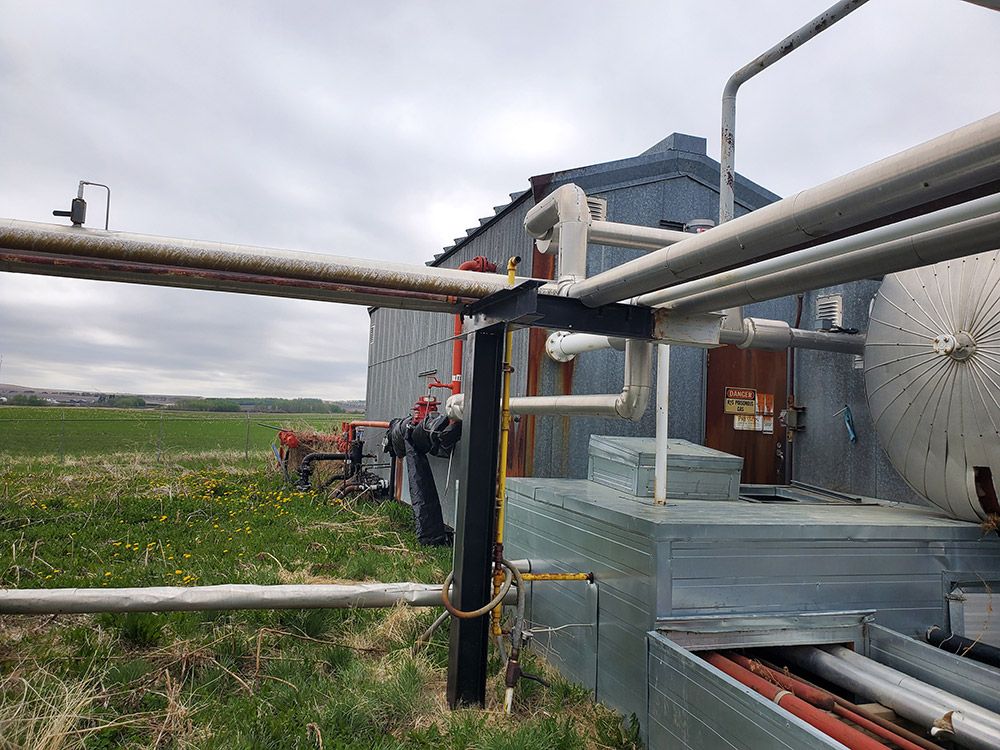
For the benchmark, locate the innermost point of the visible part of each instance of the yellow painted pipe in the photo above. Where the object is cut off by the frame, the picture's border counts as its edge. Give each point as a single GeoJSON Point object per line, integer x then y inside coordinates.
{"type": "Point", "coordinates": [557, 576]}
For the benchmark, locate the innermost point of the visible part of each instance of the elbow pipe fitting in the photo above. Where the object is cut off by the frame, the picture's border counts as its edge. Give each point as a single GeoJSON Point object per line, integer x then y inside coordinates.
{"type": "Point", "coordinates": [561, 221]}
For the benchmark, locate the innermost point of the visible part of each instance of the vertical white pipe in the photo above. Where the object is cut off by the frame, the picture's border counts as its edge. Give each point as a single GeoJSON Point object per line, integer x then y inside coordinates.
{"type": "Point", "coordinates": [662, 422]}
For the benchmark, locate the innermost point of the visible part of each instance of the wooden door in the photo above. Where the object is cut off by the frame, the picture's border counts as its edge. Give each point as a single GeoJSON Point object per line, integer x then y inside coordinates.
{"type": "Point", "coordinates": [746, 434]}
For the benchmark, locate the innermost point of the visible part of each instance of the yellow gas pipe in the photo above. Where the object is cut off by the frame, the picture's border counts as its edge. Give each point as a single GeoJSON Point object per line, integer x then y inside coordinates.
{"type": "Point", "coordinates": [498, 575]}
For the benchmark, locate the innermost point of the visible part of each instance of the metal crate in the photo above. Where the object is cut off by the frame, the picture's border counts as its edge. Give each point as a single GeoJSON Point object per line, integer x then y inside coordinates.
{"type": "Point", "coordinates": [694, 472]}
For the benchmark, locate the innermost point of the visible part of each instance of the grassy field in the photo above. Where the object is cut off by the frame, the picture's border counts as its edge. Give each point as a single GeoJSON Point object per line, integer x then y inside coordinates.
{"type": "Point", "coordinates": [257, 679]}
{"type": "Point", "coordinates": [42, 430]}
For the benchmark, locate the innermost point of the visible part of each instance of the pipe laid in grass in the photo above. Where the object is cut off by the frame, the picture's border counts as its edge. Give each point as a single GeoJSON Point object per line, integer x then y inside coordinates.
{"type": "Point", "coordinates": [223, 597]}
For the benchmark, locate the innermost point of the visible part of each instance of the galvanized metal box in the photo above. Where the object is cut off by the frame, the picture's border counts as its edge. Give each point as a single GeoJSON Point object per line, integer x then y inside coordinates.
{"type": "Point", "coordinates": [694, 472]}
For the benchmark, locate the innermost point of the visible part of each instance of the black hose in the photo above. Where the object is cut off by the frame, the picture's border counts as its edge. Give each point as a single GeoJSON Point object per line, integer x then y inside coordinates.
{"type": "Point", "coordinates": [306, 467]}
{"type": "Point", "coordinates": [956, 644]}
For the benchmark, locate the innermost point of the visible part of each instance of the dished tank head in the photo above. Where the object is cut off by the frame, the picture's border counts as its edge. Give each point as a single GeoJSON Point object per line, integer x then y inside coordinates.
{"type": "Point", "coordinates": [932, 375]}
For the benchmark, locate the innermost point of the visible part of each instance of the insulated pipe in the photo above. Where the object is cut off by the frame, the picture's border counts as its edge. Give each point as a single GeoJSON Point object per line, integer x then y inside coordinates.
{"type": "Point", "coordinates": [847, 735]}
{"type": "Point", "coordinates": [956, 644]}
{"type": "Point", "coordinates": [633, 236]}
{"type": "Point", "coordinates": [158, 274]}
{"type": "Point", "coordinates": [630, 404]}
{"type": "Point", "coordinates": [562, 219]}
{"type": "Point", "coordinates": [777, 335]}
{"type": "Point", "coordinates": [954, 241]}
{"type": "Point", "coordinates": [914, 685]}
{"type": "Point", "coordinates": [727, 159]}
{"type": "Point", "coordinates": [227, 596]}
{"type": "Point", "coordinates": [959, 165]}
{"type": "Point", "coordinates": [563, 346]}
{"type": "Point", "coordinates": [970, 210]}
{"type": "Point", "coordinates": [662, 424]}
{"type": "Point", "coordinates": [970, 730]}
{"type": "Point", "coordinates": [165, 252]}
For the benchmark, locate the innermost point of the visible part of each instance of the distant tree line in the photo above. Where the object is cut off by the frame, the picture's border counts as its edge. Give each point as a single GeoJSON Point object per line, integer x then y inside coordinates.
{"type": "Point", "coordinates": [266, 405]}
{"type": "Point", "coordinates": [21, 399]}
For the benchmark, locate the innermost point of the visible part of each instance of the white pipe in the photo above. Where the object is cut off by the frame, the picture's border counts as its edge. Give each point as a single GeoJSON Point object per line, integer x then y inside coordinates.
{"type": "Point", "coordinates": [945, 217]}
{"type": "Point", "coordinates": [633, 236]}
{"type": "Point", "coordinates": [630, 404]}
{"type": "Point", "coordinates": [971, 730]}
{"type": "Point", "coordinates": [226, 596]}
{"type": "Point", "coordinates": [229, 267]}
{"type": "Point", "coordinates": [777, 335]}
{"type": "Point", "coordinates": [727, 158]}
{"type": "Point", "coordinates": [563, 346]}
{"type": "Point", "coordinates": [962, 160]}
{"type": "Point", "coordinates": [946, 243]}
{"type": "Point", "coordinates": [662, 423]}
{"type": "Point", "coordinates": [561, 220]}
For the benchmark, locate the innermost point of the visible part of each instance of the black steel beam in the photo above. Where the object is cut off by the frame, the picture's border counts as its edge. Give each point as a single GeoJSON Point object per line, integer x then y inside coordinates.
{"type": "Point", "coordinates": [475, 522]}
{"type": "Point", "coordinates": [523, 306]}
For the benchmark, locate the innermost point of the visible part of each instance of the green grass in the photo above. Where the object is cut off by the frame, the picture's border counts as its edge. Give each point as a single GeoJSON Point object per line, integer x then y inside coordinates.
{"type": "Point", "coordinates": [36, 431]}
{"type": "Point", "coordinates": [246, 680]}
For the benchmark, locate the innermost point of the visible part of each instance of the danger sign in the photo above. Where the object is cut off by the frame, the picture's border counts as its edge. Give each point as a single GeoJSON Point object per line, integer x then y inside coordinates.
{"type": "Point", "coordinates": [740, 401]}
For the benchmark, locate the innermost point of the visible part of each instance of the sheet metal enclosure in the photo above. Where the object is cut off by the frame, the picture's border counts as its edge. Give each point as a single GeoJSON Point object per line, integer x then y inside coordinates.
{"type": "Point", "coordinates": [693, 559]}
{"type": "Point", "coordinates": [694, 472]}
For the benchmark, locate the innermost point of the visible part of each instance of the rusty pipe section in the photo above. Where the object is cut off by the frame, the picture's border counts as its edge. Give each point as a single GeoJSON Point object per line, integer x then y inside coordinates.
{"type": "Point", "coordinates": [950, 169]}
{"type": "Point", "coordinates": [230, 267]}
{"type": "Point", "coordinates": [727, 159]}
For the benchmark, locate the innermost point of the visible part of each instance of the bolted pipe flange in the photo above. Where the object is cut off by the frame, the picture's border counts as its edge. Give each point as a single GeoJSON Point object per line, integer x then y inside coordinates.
{"type": "Point", "coordinates": [959, 346]}
{"type": "Point", "coordinates": [554, 349]}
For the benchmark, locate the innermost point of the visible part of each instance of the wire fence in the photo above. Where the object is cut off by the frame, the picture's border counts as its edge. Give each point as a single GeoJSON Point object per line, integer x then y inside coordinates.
{"type": "Point", "coordinates": [37, 431]}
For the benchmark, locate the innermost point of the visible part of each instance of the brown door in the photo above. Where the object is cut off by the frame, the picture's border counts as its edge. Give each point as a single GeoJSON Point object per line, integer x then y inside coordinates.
{"type": "Point", "coordinates": [746, 434]}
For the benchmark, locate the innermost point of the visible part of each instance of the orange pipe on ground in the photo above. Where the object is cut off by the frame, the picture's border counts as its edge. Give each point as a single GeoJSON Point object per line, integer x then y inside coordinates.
{"type": "Point", "coordinates": [846, 735]}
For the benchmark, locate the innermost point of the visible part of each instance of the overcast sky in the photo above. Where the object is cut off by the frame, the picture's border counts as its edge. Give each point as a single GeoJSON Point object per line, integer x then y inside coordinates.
{"type": "Point", "coordinates": [384, 129]}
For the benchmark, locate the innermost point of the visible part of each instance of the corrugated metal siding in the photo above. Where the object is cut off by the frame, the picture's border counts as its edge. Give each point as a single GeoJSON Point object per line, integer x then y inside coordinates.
{"type": "Point", "coordinates": [405, 342]}
{"type": "Point", "coordinates": [825, 383]}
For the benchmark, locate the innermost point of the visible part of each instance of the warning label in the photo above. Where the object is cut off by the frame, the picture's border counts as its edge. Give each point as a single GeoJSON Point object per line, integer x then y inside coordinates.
{"type": "Point", "coordinates": [740, 401]}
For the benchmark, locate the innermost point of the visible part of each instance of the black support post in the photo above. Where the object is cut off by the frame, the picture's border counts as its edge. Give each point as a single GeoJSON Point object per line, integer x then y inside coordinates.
{"type": "Point", "coordinates": [475, 520]}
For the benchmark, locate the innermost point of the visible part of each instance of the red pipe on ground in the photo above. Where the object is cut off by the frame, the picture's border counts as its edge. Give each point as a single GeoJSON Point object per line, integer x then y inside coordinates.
{"type": "Point", "coordinates": [825, 723]}
{"type": "Point", "coordinates": [827, 701]}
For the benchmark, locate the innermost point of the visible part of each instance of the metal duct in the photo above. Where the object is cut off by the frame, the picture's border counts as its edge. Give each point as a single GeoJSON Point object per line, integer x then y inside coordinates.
{"type": "Point", "coordinates": [947, 170]}
{"type": "Point", "coordinates": [932, 375]}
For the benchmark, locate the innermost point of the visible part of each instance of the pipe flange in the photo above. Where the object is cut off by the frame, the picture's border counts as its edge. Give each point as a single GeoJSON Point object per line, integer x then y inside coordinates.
{"type": "Point", "coordinates": [959, 346]}
{"type": "Point", "coordinates": [553, 347]}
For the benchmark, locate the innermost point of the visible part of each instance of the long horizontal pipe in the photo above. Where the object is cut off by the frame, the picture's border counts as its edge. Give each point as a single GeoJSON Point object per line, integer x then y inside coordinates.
{"type": "Point", "coordinates": [970, 210]}
{"type": "Point", "coordinates": [74, 242]}
{"type": "Point", "coordinates": [633, 236]}
{"type": "Point", "coordinates": [970, 730]}
{"type": "Point", "coordinates": [967, 647]}
{"type": "Point", "coordinates": [223, 281]}
{"type": "Point", "coordinates": [223, 597]}
{"type": "Point", "coordinates": [939, 172]}
{"type": "Point", "coordinates": [946, 243]}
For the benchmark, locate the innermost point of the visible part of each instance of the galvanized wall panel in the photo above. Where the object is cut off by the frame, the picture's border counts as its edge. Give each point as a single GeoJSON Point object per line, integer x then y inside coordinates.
{"type": "Point", "coordinates": [693, 706]}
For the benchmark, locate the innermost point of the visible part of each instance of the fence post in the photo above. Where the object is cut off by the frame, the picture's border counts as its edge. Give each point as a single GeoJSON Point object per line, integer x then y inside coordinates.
{"type": "Point", "coordinates": [159, 442]}
{"type": "Point", "coordinates": [62, 437]}
{"type": "Point", "coordinates": [246, 445]}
